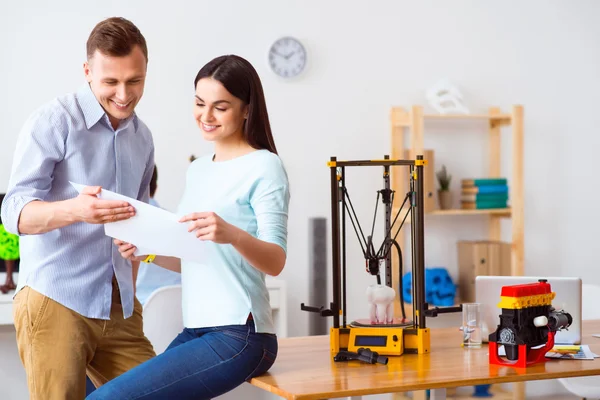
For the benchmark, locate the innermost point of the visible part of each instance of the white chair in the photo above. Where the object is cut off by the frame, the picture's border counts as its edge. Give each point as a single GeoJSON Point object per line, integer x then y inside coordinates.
{"type": "Point", "coordinates": [163, 317]}
{"type": "Point", "coordinates": [587, 387]}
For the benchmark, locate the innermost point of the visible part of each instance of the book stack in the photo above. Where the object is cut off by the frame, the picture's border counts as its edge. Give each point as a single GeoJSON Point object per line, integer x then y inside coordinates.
{"type": "Point", "coordinates": [479, 194]}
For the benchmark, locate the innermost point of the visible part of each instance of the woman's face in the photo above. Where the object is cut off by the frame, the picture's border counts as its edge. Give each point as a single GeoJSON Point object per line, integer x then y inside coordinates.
{"type": "Point", "coordinates": [218, 113]}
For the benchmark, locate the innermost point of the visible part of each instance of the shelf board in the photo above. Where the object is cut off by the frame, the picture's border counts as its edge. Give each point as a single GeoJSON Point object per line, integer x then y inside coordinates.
{"type": "Point", "coordinates": [401, 118]}
{"type": "Point", "coordinates": [490, 211]}
{"type": "Point", "coordinates": [501, 212]}
{"type": "Point", "coordinates": [498, 117]}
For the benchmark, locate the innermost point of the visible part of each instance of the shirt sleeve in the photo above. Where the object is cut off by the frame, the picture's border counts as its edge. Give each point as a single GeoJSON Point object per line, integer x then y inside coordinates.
{"type": "Point", "coordinates": [39, 147]}
{"type": "Point", "coordinates": [270, 202]}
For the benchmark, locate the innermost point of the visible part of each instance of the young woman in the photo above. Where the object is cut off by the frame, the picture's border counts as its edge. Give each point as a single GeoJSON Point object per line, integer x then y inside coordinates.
{"type": "Point", "coordinates": [236, 201]}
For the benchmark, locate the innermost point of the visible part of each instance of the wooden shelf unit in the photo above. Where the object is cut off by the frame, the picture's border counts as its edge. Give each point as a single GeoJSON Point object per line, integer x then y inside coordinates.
{"type": "Point", "coordinates": [412, 121]}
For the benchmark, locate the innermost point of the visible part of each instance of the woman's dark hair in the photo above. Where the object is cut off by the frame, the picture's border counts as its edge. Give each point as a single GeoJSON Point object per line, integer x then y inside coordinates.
{"type": "Point", "coordinates": [153, 181]}
{"type": "Point", "coordinates": [240, 79]}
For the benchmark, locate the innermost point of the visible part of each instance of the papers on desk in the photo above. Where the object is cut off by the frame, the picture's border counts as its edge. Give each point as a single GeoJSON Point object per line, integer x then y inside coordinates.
{"type": "Point", "coordinates": [564, 352]}
{"type": "Point", "coordinates": [153, 230]}
{"type": "Point", "coordinates": [571, 352]}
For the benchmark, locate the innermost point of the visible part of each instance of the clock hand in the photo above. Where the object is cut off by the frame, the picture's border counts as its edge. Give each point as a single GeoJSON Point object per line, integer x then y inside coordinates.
{"type": "Point", "coordinates": [279, 54]}
{"type": "Point", "coordinates": [287, 57]}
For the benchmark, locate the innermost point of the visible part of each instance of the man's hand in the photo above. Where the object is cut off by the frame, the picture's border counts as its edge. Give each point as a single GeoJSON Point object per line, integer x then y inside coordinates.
{"type": "Point", "coordinates": [88, 208]}
{"type": "Point", "coordinates": [39, 216]}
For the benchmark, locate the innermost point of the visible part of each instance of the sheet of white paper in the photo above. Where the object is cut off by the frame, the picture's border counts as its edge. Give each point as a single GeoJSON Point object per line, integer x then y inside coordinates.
{"type": "Point", "coordinates": [152, 230]}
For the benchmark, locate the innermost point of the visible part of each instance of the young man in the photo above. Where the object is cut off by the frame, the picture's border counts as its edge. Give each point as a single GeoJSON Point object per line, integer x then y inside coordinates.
{"type": "Point", "coordinates": [75, 308]}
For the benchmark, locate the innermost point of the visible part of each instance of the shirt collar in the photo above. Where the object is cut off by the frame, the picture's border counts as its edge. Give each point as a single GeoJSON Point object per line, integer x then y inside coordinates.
{"type": "Point", "coordinates": [93, 111]}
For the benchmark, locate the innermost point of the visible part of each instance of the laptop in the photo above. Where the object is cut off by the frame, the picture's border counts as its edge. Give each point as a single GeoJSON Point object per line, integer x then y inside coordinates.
{"type": "Point", "coordinates": [568, 298]}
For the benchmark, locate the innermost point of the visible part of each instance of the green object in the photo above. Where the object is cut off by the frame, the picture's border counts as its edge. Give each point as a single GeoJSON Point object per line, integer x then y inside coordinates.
{"type": "Point", "coordinates": [9, 245]}
{"type": "Point", "coordinates": [444, 178]}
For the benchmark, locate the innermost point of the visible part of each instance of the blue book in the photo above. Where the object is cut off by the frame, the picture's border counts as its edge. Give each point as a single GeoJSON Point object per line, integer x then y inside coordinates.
{"type": "Point", "coordinates": [484, 197]}
{"type": "Point", "coordinates": [484, 182]}
{"type": "Point", "coordinates": [485, 189]}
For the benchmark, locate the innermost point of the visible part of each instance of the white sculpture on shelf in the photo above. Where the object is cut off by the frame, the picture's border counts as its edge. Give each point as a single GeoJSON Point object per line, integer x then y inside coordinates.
{"type": "Point", "coordinates": [381, 300]}
{"type": "Point", "coordinates": [445, 98]}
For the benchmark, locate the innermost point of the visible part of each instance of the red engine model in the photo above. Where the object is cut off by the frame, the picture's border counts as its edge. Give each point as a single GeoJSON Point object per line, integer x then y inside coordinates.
{"type": "Point", "coordinates": [528, 320]}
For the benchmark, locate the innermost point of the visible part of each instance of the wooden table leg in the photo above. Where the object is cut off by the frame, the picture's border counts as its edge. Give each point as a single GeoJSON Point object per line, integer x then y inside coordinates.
{"type": "Point", "coordinates": [420, 395]}
{"type": "Point", "coordinates": [519, 391]}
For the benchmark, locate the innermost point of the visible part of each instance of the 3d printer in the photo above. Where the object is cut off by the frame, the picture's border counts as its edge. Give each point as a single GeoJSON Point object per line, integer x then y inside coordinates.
{"type": "Point", "coordinates": [362, 340]}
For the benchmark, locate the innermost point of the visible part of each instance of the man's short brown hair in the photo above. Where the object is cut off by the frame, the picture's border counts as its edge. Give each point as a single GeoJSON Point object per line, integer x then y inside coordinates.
{"type": "Point", "coordinates": [115, 37]}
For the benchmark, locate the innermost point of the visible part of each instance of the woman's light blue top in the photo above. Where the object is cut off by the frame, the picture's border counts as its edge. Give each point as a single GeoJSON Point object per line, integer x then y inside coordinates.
{"type": "Point", "coordinates": [250, 192]}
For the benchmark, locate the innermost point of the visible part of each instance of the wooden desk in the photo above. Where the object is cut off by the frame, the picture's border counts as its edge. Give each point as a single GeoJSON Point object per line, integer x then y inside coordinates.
{"type": "Point", "coordinates": [305, 369]}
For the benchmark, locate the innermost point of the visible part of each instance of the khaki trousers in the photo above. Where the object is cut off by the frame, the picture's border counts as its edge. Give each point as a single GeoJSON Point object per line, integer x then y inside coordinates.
{"type": "Point", "coordinates": [58, 346]}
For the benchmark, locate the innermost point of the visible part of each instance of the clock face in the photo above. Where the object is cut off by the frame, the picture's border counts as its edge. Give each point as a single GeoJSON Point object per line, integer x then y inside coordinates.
{"type": "Point", "coordinates": [287, 57]}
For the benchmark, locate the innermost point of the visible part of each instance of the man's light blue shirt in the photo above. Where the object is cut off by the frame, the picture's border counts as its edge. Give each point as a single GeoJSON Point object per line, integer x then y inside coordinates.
{"type": "Point", "coordinates": [151, 276]}
{"type": "Point", "coordinates": [71, 139]}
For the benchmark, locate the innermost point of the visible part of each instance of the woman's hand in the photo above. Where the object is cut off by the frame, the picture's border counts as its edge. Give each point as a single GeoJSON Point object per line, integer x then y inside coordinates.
{"type": "Point", "coordinates": [127, 249]}
{"type": "Point", "coordinates": [209, 226]}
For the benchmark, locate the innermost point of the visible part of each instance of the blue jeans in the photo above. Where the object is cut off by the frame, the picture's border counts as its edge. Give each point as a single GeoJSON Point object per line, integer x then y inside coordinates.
{"type": "Point", "coordinates": [89, 386]}
{"type": "Point", "coordinates": [199, 364]}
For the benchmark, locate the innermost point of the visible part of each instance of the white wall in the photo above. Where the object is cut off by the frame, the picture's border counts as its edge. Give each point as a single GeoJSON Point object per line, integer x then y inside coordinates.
{"type": "Point", "coordinates": [363, 59]}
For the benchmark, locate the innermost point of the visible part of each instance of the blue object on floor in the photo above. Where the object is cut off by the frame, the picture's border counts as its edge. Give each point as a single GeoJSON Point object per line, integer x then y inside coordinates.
{"type": "Point", "coordinates": [439, 288]}
{"type": "Point", "coordinates": [482, 391]}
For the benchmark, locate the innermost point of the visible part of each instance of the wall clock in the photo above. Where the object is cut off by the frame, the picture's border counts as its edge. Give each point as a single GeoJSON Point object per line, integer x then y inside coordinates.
{"type": "Point", "coordinates": [287, 57]}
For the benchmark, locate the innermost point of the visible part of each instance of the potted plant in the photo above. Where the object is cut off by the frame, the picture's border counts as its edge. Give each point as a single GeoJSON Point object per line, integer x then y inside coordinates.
{"type": "Point", "coordinates": [444, 193]}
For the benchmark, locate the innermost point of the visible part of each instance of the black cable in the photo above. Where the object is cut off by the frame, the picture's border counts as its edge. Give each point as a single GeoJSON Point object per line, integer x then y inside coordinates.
{"type": "Point", "coordinates": [395, 243]}
{"type": "Point", "coordinates": [388, 235]}
{"type": "Point", "coordinates": [390, 239]}
{"type": "Point", "coordinates": [401, 224]}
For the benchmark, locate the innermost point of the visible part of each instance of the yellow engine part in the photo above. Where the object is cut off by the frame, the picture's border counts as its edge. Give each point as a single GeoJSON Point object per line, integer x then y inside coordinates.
{"type": "Point", "coordinates": [526, 301]}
